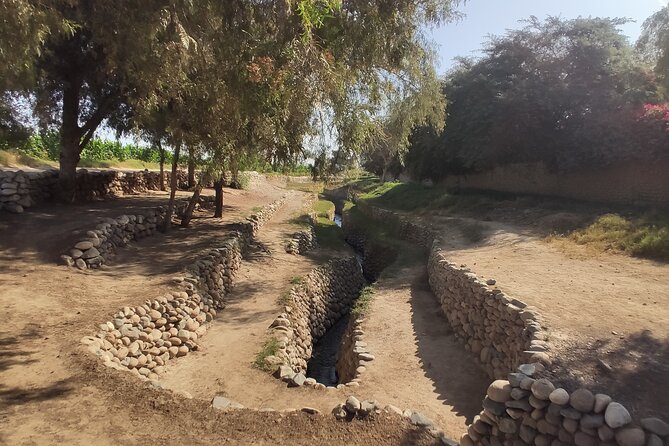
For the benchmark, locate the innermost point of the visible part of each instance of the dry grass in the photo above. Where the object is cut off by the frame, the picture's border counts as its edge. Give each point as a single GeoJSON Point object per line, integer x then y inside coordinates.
{"type": "Point", "coordinates": [14, 158]}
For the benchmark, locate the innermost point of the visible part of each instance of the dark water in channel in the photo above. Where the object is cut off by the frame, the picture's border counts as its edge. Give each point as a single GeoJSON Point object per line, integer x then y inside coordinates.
{"type": "Point", "coordinates": [323, 363]}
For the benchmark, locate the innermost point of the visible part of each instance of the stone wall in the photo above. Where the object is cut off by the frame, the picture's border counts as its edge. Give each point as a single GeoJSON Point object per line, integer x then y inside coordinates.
{"type": "Point", "coordinates": [635, 182]}
{"type": "Point", "coordinates": [501, 331]}
{"type": "Point", "coordinates": [303, 241]}
{"type": "Point", "coordinates": [102, 242]}
{"type": "Point", "coordinates": [143, 338]}
{"type": "Point", "coordinates": [20, 190]}
{"type": "Point", "coordinates": [522, 406]}
{"type": "Point", "coordinates": [326, 294]}
{"type": "Point", "coordinates": [525, 409]}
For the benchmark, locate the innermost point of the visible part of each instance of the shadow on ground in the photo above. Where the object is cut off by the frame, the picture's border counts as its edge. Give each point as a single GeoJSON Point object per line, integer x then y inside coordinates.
{"type": "Point", "coordinates": [633, 371]}
{"type": "Point", "coordinates": [457, 378]}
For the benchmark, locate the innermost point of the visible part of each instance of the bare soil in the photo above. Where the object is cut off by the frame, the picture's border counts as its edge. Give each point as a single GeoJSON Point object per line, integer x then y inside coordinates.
{"type": "Point", "coordinates": [52, 391]}
{"type": "Point", "coordinates": [607, 314]}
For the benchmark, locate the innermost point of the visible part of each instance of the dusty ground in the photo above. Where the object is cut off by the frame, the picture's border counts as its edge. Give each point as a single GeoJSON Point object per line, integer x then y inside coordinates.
{"type": "Point", "coordinates": [604, 307]}
{"type": "Point", "coordinates": [419, 365]}
{"type": "Point", "coordinates": [53, 392]}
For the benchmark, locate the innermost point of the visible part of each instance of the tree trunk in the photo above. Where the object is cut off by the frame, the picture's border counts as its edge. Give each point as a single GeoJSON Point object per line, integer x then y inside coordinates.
{"type": "Point", "coordinates": [218, 188]}
{"type": "Point", "coordinates": [185, 221]}
{"type": "Point", "coordinates": [162, 166]}
{"type": "Point", "coordinates": [70, 144]}
{"type": "Point", "coordinates": [173, 189]}
{"type": "Point", "coordinates": [191, 167]}
{"type": "Point", "coordinates": [384, 175]}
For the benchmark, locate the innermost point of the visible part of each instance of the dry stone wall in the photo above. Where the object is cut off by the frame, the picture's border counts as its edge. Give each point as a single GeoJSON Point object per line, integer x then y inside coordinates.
{"type": "Point", "coordinates": [523, 407]}
{"type": "Point", "coordinates": [142, 339]}
{"type": "Point", "coordinates": [102, 242]}
{"type": "Point", "coordinates": [326, 294]}
{"type": "Point", "coordinates": [20, 190]}
{"type": "Point", "coordinates": [501, 331]}
{"type": "Point", "coordinates": [303, 241]}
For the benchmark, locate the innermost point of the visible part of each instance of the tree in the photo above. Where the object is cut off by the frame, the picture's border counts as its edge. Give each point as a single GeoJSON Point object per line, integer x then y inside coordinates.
{"type": "Point", "coordinates": [104, 57]}
{"type": "Point", "coordinates": [653, 44]}
{"type": "Point", "coordinates": [560, 92]}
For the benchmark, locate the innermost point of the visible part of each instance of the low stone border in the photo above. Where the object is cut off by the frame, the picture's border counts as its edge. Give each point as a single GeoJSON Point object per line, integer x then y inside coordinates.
{"type": "Point", "coordinates": [355, 408]}
{"type": "Point", "coordinates": [528, 409]}
{"type": "Point", "coordinates": [303, 241]}
{"type": "Point", "coordinates": [101, 243]}
{"type": "Point", "coordinates": [142, 339]}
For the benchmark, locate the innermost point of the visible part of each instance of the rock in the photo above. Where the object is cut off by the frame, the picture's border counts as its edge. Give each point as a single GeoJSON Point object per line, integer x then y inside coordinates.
{"type": "Point", "coordinates": [654, 440]}
{"type": "Point", "coordinates": [616, 415]}
{"type": "Point", "coordinates": [490, 282]}
{"type": "Point", "coordinates": [605, 433]}
{"type": "Point", "coordinates": [352, 404]}
{"type": "Point", "coordinates": [222, 403]}
{"type": "Point", "coordinates": [311, 410]}
{"type": "Point", "coordinates": [493, 406]}
{"type": "Point", "coordinates": [656, 426]}
{"type": "Point", "coordinates": [631, 436]}
{"type": "Point", "coordinates": [590, 421]}
{"type": "Point", "coordinates": [90, 253]}
{"type": "Point", "coordinates": [76, 253]}
{"type": "Point", "coordinates": [559, 396]}
{"type": "Point", "coordinates": [507, 425]}
{"type": "Point", "coordinates": [84, 245]}
{"type": "Point", "coordinates": [297, 380]}
{"type": "Point", "coordinates": [365, 356]}
{"type": "Point", "coordinates": [340, 412]}
{"type": "Point", "coordinates": [583, 439]}
{"type": "Point", "coordinates": [419, 419]}
{"type": "Point", "coordinates": [530, 369]}
{"type": "Point", "coordinates": [601, 401]}
{"type": "Point", "coordinates": [284, 373]}
{"type": "Point", "coordinates": [500, 391]}
{"type": "Point", "coordinates": [545, 427]}
{"type": "Point", "coordinates": [516, 378]}
{"type": "Point", "coordinates": [518, 393]}
{"type": "Point", "coordinates": [542, 388]}
{"type": "Point", "coordinates": [582, 400]}
{"type": "Point", "coordinates": [393, 409]}
{"type": "Point", "coordinates": [80, 264]}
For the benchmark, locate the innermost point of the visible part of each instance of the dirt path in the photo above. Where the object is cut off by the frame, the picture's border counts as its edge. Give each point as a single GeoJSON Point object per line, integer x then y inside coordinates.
{"type": "Point", "coordinates": [607, 307]}
{"type": "Point", "coordinates": [225, 363]}
{"type": "Point", "coordinates": [419, 364]}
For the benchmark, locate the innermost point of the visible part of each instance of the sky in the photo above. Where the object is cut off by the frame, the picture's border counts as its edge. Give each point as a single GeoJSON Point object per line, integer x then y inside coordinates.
{"type": "Point", "coordinates": [484, 17]}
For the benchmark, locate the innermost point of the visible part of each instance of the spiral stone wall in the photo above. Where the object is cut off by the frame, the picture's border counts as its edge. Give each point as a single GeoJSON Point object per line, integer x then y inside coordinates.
{"type": "Point", "coordinates": [142, 339]}
{"type": "Point", "coordinates": [326, 294]}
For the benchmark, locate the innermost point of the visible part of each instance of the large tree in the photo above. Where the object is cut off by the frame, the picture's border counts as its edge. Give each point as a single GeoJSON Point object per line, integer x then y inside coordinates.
{"type": "Point", "coordinates": [561, 92]}
{"type": "Point", "coordinates": [653, 44]}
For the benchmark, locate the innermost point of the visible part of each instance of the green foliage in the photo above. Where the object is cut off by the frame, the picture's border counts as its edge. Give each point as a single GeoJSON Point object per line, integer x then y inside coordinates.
{"type": "Point", "coordinates": [324, 208]}
{"type": "Point", "coordinates": [296, 280]}
{"type": "Point", "coordinates": [269, 348]}
{"type": "Point", "coordinates": [363, 302]}
{"type": "Point", "coordinates": [646, 236]}
{"type": "Point", "coordinates": [653, 45]}
{"type": "Point", "coordinates": [563, 92]}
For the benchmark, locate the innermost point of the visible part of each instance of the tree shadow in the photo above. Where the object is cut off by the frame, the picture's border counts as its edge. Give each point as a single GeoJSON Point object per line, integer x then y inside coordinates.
{"type": "Point", "coordinates": [16, 396]}
{"type": "Point", "coordinates": [457, 377]}
{"type": "Point", "coordinates": [12, 351]}
{"type": "Point", "coordinates": [633, 371]}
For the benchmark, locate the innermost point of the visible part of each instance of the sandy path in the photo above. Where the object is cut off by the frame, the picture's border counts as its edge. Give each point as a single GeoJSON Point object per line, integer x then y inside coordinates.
{"type": "Point", "coordinates": [419, 363]}
{"type": "Point", "coordinates": [224, 365]}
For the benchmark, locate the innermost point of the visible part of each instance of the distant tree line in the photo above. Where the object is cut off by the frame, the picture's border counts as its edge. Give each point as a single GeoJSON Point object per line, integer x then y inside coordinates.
{"type": "Point", "coordinates": [566, 93]}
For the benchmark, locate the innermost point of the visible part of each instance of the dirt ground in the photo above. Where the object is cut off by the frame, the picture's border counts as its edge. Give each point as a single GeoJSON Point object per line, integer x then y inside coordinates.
{"type": "Point", "coordinates": [52, 391]}
{"type": "Point", "coordinates": [607, 314]}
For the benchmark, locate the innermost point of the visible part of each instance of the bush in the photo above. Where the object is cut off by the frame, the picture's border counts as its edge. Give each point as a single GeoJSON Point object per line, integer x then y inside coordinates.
{"type": "Point", "coordinates": [644, 237]}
